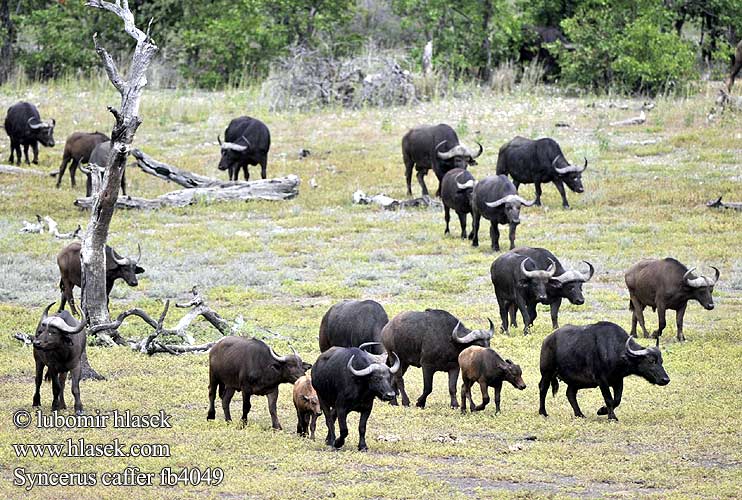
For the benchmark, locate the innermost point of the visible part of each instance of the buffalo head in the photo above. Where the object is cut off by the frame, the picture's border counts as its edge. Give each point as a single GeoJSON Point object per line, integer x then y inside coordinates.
{"type": "Point", "coordinates": [473, 337]}
{"type": "Point", "coordinates": [701, 288]}
{"type": "Point", "coordinates": [127, 268]}
{"type": "Point", "coordinates": [511, 204]}
{"type": "Point", "coordinates": [291, 366]}
{"type": "Point", "coordinates": [570, 174]}
{"type": "Point", "coordinates": [535, 280]}
{"type": "Point", "coordinates": [233, 152]}
{"type": "Point", "coordinates": [379, 376]}
{"type": "Point", "coordinates": [53, 332]}
{"type": "Point", "coordinates": [459, 156]}
{"type": "Point", "coordinates": [647, 363]}
{"type": "Point", "coordinates": [42, 131]}
{"type": "Point", "coordinates": [570, 283]}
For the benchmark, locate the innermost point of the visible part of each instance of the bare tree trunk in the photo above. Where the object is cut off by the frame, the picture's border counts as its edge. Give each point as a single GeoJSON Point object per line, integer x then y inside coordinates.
{"type": "Point", "coordinates": [7, 34]}
{"type": "Point", "coordinates": [486, 72]}
{"type": "Point", "coordinates": [92, 255]}
{"type": "Point", "coordinates": [428, 58]}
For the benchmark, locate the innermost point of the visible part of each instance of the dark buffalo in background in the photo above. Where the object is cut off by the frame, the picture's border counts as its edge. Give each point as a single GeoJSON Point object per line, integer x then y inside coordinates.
{"type": "Point", "coordinates": [535, 39]}
{"type": "Point", "coordinates": [597, 355]}
{"type": "Point", "coordinates": [251, 366]}
{"type": "Point", "coordinates": [518, 286]}
{"type": "Point", "coordinates": [457, 187]}
{"type": "Point", "coordinates": [563, 285]}
{"type": "Point", "coordinates": [736, 67]}
{"type": "Point", "coordinates": [666, 284]}
{"type": "Point", "coordinates": [25, 128]}
{"type": "Point", "coordinates": [346, 380]}
{"type": "Point", "coordinates": [434, 147]}
{"type": "Point", "coordinates": [485, 366]}
{"type": "Point", "coordinates": [117, 267]}
{"type": "Point", "coordinates": [246, 142]}
{"type": "Point", "coordinates": [59, 346]}
{"type": "Point", "coordinates": [496, 199]}
{"type": "Point", "coordinates": [77, 149]}
{"type": "Point", "coordinates": [351, 323]}
{"type": "Point", "coordinates": [99, 160]}
{"type": "Point", "coordinates": [539, 161]}
{"type": "Point", "coordinates": [432, 340]}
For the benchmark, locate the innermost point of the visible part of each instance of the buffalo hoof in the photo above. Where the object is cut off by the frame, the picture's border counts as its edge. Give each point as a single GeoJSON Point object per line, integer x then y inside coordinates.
{"type": "Point", "coordinates": [79, 412]}
{"type": "Point", "coordinates": [612, 416]}
{"type": "Point", "coordinates": [475, 243]}
{"type": "Point", "coordinates": [420, 404]}
{"type": "Point", "coordinates": [211, 415]}
{"type": "Point", "coordinates": [339, 442]}
{"type": "Point", "coordinates": [579, 415]}
{"type": "Point", "coordinates": [35, 162]}
{"type": "Point", "coordinates": [603, 411]}
{"type": "Point", "coordinates": [543, 413]}
{"type": "Point", "coordinates": [362, 447]}
{"type": "Point", "coordinates": [454, 406]}
{"type": "Point", "coordinates": [406, 403]}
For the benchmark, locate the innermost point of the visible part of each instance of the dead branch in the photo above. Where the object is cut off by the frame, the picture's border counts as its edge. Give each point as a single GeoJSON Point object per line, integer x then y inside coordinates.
{"type": "Point", "coordinates": [23, 337]}
{"type": "Point", "coordinates": [389, 203]}
{"type": "Point", "coordinates": [717, 203]}
{"type": "Point", "coordinates": [638, 120]}
{"type": "Point", "coordinates": [171, 173]}
{"type": "Point", "coordinates": [281, 188]}
{"type": "Point", "coordinates": [38, 228]}
{"type": "Point", "coordinates": [10, 169]}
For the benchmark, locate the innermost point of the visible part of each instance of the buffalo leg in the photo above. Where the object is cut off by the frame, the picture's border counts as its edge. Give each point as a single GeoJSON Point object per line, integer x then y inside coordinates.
{"type": "Point", "coordinates": [330, 422]}
{"type": "Point", "coordinates": [532, 314]}
{"type": "Point", "coordinates": [12, 151]}
{"type": "Point", "coordinates": [572, 398]}
{"type": "Point", "coordinates": [498, 390]}
{"type": "Point", "coordinates": [212, 396]}
{"type": "Point", "coordinates": [560, 187]}
{"type": "Point", "coordinates": [300, 430]}
{"type": "Point", "coordinates": [362, 429]}
{"type": "Point", "coordinates": [504, 308]}
{"type": "Point", "coordinates": [62, 168]}
{"type": "Point", "coordinates": [554, 309]}
{"type": "Point", "coordinates": [226, 399]}
{"type": "Point", "coordinates": [495, 236]}
{"type": "Point", "coordinates": [398, 386]}
{"type": "Point", "coordinates": [427, 386]}
{"type": "Point", "coordinates": [462, 222]}
{"type": "Point", "coordinates": [609, 405]}
{"type": "Point", "coordinates": [543, 389]}
{"type": "Point", "coordinates": [25, 153]}
{"type": "Point", "coordinates": [342, 415]}
{"type": "Point", "coordinates": [617, 393]}
{"type": "Point", "coordinates": [35, 149]}
{"type": "Point", "coordinates": [246, 405]}
{"type": "Point", "coordinates": [662, 315]}
{"type": "Point", "coordinates": [73, 172]}
{"type": "Point", "coordinates": [55, 390]}
{"type": "Point", "coordinates": [421, 181]}
{"type": "Point", "coordinates": [312, 425]}
{"type": "Point", "coordinates": [272, 399]}
{"type": "Point", "coordinates": [638, 309]}
{"type": "Point", "coordinates": [523, 308]}
{"type": "Point", "coordinates": [538, 194]}
{"type": "Point", "coordinates": [513, 316]}
{"type": "Point", "coordinates": [453, 377]}
{"type": "Point", "coordinates": [76, 388]}
{"type": "Point", "coordinates": [465, 393]}
{"type": "Point", "coordinates": [447, 218]}
{"type": "Point", "coordinates": [39, 379]}
{"type": "Point", "coordinates": [511, 235]}
{"type": "Point", "coordinates": [485, 397]}
{"type": "Point", "coordinates": [475, 218]}
{"type": "Point", "coordinates": [123, 182]}
{"type": "Point", "coordinates": [408, 164]}
{"type": "Point", "coordinates": [679, 321]}
{"type": "Point", "coordinates": [245, 171]}
{"type": "Point", "coordinates": [264, 168]}
{"type": "Point", "coordinates": [62, 382]}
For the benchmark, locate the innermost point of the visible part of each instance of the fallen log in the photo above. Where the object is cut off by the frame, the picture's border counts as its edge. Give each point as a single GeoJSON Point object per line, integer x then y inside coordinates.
{"type": "Point", "coordinates": [389, 203]}
{"type": "Point", "coordinates": [281, 188]}
{"type": "Point", "coordinates": [638, 120]}
{"type": "Point", "coordinates": [10, 169]}
{"type": "Point", "coordinates": [167, 172]}
{"type": "Point", "coordinates": [717, 203]}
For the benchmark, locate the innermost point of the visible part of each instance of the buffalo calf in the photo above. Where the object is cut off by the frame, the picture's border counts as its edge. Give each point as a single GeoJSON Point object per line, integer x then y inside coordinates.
{"type": "Point", "coordinates": [307, 406]}
{"type": "Point", "coordinates": [485, 366]}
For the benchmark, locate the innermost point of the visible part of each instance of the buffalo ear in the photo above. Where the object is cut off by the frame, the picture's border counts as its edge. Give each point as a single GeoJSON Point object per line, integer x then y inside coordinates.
{"type": "Point", "coordinates": [305, 397]}
{"type": "Point", "coordinates": [555, 283]}
{"type": "Point", "coordinates": [138, 270]}
{"type": "Point", "coordinates": [306, 366]}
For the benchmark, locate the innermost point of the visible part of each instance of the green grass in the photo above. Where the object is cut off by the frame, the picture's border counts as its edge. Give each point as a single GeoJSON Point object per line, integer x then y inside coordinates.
{"type": "Point", "coordinates": [280, 265]}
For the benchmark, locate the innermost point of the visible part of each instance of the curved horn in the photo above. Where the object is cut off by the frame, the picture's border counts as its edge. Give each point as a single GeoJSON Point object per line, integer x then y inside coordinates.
{"type": "Point", "coordinates": [366, 344]}
{"type": "Point", "coordinates": [276, 356]}
{"type": "Point", "coordinates": [46, 311]}
{"type": "Point", "coordinates": [469, 337]}
{"type": "Point", "coordinates": [63, 327]}
{"type": "Point", "coordinates": [481, 150]}
{"type": "Point", "coordinates": [526, 273]}
{"type": "Point", "coordinates": [293, 351]}
{"type": "Point", "coordinates": [359, 373]}
{"type": "Point", "coordinates": [551, 269]}
{"type": "Point", "coordinates": [139, 253]}
{"type": "Point", "coordinates": [123, 261]}
{"type": "Point", "coordinates": [501, 201]}
{"type": "Point", "coordinates": [696, 282]}
{"type": "Point", "coordinates": [395, 367]}
{"type": "Point", "coordinates": [525, 202]}
{"type": "Point", "coordinates": [716, 274]}
{"type": "Point", "coordinates": [553, 162]}
{"type": "Point", "coordinates": [467, 185]}
{"type": "Point", "coordinates": [219, 139]}
{"type": "Point", "coordinates": [569, 168]}
{"type": "Point", "coordinates": [447, 154]}
{"type": "Point", "coordinates": [631, 352]}
{"type": "Point", "coordinates": [591, 271]}
{"type": "Point", "coordinates": [437, 146]}
{"type": "Point", "coordinates": [36, 125]}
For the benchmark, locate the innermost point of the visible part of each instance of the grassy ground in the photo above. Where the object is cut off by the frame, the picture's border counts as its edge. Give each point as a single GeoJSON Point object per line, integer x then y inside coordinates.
{"type": "Point", "coordinates": [280, 265]}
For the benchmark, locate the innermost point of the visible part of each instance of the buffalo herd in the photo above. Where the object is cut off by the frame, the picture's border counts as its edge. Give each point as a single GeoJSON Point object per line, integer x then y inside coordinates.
{"type": "Point", "coordinates": [364, 353]}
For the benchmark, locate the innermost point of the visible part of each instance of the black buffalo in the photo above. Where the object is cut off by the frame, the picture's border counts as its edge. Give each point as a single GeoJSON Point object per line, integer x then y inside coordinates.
{"type": "Point", "coordinates": [432, 340]}
{"type": "Point", "coordinates": [435, 147]}
{"type": "Point", "coordinates": [250, 366]}
{"type": "Point", "coordinates": [99, 161]}
{"type": "Point", "coordinates": [246, 142]}
{"type": "Point", "coordinates": [666, 284]}
{"type": "Point", "coordinates": [563, 285]}
{"type": "Point", "coordinates": [352, 323]}
{"type": "Point", "coordinates": [456, 193]}
{"type": "Point", "coordinates": [597, 355]}
{"type": "Point", "coordinates": [346, 380]}
{"type": "Point", "coordinates": [496, 199]}
{"type": "Point", "coordinates": [24, 127]}
{"type": "Point", "coordinates": [59, 344]}
{"type": "Point", "coordinates": [517, 286]}
{"type": "Point", "coordinates": [117, 267]}
{"type": "Point", "coordinates": [537, 162]}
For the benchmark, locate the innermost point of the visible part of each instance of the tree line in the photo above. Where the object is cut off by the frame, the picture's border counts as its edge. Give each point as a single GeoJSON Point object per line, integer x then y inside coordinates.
{"type": "Point", "coordinates": [625, 45]}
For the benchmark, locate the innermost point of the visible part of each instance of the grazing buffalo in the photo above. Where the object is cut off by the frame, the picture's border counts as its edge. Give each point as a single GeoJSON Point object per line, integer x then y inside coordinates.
{"type": "Point", "coordinates": [517, 286]}
{"type": "Point", "coordinates": [563, 285]}
{"type": "Point", "coordinates": [435, 147]}
{"type": "Point", "coordinates": [348, 379]}
{"type": "Point", "coordinates": [24, 127]}
{"type": "Point", "coordinates": [78, 148]}
{"type": "Point", "coordinates": [246, 142]}
{"type": "Point", "coordinates": [307, 406]}
{"type": "Point", "coordinates": [597, 355]}
{"type": "Point", "coordinates": [483, 365]}
{"type": "Point", "coordinates": [99, 160]}
{"type": "Point", "coordinates": [537, 162]}
{"type": "Point", "coordinates": [250, 366]}
{"type": "Point", "coordinates": [351, 323]}
{"type": "Point", "coordinates": [117, 267]}
{"type": "Point", "coordinates": [666, 284]}
{"type": "Point", "coordinates": [457, 187]}
{"type": "Point", "coordinates": [433, 340]}
{"type": "Point", "coordinates": [496, 199]}
{"type": "Point", "coordinates": [736, 67]}
{"type": "Point", "coordinates": [59, 345]}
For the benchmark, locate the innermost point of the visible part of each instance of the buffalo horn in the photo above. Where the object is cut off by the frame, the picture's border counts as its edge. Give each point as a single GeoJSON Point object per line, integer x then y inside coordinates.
{"type": "Point", "coordinates": [481, 150]}
{"type": "Point", "coordinates": [569, 168]}
{"type": "Point", "coordinates": [631, 352]}
{"type": "Point", "coordinates": [700, 281]}
{"type": "Point", "coordinates": [219, 139]}
{"type": "Point", "coordinates": [468, 184]}
{"type": "Point", "coordinates": [537, 273]}
{"type": "Point", "coordinates": [366, 344]}
{"type": "Point", "coordinates": [282, 359]}
{"type": "Point", "coordinates": [591, 271]}
{"type": "Point", "coordinates": [450, 153]}
{"type": "Point", "coordinates": [395, 367]}
{"type": "Point", "coordinates": [472, 335]}
{"type": "Point", "coordinates": [124, 261]}
{"type": "Point", "coordinates": [46, 311]}
{"type": "Point", "coordinates": [363, 372]}
{"type": "Point", "coordinates": [62, 326]}
{"type": "Point", "coordinates": [139, 253]}
{"type": "Point", "coordinates": [37, 125]}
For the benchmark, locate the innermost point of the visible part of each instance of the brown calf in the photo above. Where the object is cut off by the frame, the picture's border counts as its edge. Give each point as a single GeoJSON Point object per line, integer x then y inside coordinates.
{"type": "Point", "coordinates": [483, 365]}
{"type": "Point", "coordinates": [307, 406]}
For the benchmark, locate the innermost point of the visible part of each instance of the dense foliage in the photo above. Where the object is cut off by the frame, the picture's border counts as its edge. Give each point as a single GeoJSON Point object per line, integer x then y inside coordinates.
{"type": "Point", "coordinates": [631, 46]}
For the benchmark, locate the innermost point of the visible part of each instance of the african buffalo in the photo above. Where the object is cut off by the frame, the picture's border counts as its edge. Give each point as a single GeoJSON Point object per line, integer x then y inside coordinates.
{"type": "Point", "coordinates": [435, 147]}
{"type": "Point", "coordinates": [483, 365]}
{"type": "Point", "coordinates": [431, 339]}
{"type": "Point", "coordinates": [99, 160]}
{"type": "Point", "coordinates": [351, 323]}
{"type": "Point", "coordinates": [736, 67]}
{"type": "Point", "coordinates": [666, 284]}
{"type": "Point", "coordinates": [539, 161]}
{"type": "Point", "coordinates": [517, 286]}
{"type": "Point", "coordinates": [563, 285]}
{"type": "Point", "coordinates": [251, 366]}
{"type": "Point", "coordinates": [457, 187]}
{"type": "Point", "coordinates": [246, 142]}
{"type": "Point", "coordinates": [78, 148]}
{"type": "Point", "coordinates": [24, 127]}
{"type": "Point", "coordinates": [597, 355]}
{"type": "Point", "coordinates": [307, 406]}
{"type": "Point", "coordinates": [117, 267]}
{"type": "Point", "coordinates": [59, 345]}
{"type": "Point", "coordinates": [496, 199]}
{"type": "Point", "coordinates": [348, 379]}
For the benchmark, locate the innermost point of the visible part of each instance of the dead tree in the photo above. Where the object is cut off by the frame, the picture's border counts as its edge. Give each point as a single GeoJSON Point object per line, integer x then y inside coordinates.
{"type": "Point", "coordinates": [92, 256]}
{"type": "Point", "coordinates": [7, 34]}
